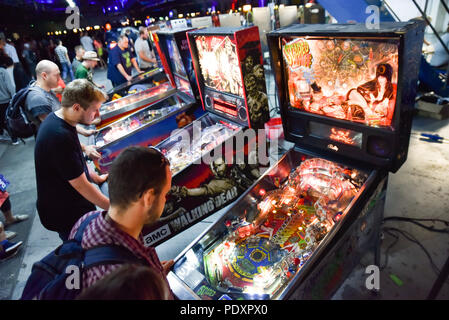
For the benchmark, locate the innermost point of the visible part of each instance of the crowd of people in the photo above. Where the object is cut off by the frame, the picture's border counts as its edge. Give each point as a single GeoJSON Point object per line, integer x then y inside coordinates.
{"type": "Point", "coordinates": [62, 101]}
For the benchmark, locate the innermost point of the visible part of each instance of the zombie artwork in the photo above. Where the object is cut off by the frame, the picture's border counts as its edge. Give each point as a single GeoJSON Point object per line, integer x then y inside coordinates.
{"type": "Point", "coordinates": [219, 64]}
{"type": "Point", "coordinates": [346, 79]}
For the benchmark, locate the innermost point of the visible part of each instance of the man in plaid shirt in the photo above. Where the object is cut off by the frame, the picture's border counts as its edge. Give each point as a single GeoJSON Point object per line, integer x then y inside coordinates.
{"type": "Point", "coordinates": [138, 182]}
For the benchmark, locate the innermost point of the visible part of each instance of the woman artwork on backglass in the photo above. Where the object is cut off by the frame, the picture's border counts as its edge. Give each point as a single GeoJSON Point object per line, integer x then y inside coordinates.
{"type": "Point", "coordinates": [348, 79]}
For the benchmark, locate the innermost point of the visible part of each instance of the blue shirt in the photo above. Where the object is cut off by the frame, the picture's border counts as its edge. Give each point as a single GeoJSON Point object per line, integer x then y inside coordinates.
{"type": "Point", "coordinates": [119, 56]}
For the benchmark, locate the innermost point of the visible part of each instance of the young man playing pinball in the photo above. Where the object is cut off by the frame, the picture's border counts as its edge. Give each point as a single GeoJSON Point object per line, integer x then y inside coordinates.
{"type": "Point", "coordinates": [139, 180]}
{"type": "Point", "coordinates": [64, 182]}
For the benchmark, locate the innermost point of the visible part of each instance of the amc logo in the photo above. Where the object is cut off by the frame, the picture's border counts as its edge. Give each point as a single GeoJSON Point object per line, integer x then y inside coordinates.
{"type": "Point", "coordinates": [156, 235]}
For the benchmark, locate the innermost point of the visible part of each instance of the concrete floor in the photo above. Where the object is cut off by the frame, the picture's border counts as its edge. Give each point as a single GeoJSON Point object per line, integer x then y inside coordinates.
{"type": "Point", "coordinates": [418, 190]}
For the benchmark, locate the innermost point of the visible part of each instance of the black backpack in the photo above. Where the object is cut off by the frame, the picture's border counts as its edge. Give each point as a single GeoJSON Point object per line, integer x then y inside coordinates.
{"type": "Point", "coordinates": [53, 277]}
{"type": "Point", "coordinates": [19, 121]}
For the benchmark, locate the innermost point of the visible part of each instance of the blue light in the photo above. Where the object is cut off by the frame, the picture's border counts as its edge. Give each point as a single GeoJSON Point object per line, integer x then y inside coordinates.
{"type": "Point", "coordinates": [116, 8]}
{"type": "Point", "coordinates": [170, 14]}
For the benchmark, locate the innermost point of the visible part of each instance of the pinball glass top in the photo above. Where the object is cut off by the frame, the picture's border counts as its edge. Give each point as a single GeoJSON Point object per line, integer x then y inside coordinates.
{"type": "Point", "coordinates": [195, 140]}
{"type": "Point", "coordinates": [343, 78]}
{"type": "Point", "coordinates": [136, 79]}
{"type": "Point", "coordinates": [137, 120]}
{"type": "Point", "coordinates": [141, 92]}
{"type": "Point", "coordinates": [263, 242]}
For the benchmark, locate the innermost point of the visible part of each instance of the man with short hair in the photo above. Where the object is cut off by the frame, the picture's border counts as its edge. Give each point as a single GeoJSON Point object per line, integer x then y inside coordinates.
{"type": "Point", "coordinates": [41, 101]}
{"type": "Point", "coordinates": [121, 60]}
{"type": "Point", "coordinates": [64, 183]}
{"type": "Point", "coordinates": [64, 60]}
{"type": "Point", "coordinates": [145, 56]}
{"type": "Point", "coordinates": [79, 53]}
{"type": "Point", "coordinates": [139, 180]}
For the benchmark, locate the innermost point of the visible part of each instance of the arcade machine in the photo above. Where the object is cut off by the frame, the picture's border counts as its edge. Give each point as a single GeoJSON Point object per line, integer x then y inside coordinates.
{"type": "Point", "coordinates": [147, 117]}
{"type": "Point", "coordinates": [227, 64]}
{"type": "Point", "coordinates": [346, 95]}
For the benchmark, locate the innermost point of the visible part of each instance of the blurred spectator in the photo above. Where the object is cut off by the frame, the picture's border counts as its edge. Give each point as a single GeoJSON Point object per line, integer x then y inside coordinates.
{"type": "Point", "coordinates": [121, 60]}
{"type": "Point", "coordinates": [64, 60]}
{"type": "Point", "coordinates": [5, 207]}
{"type": "Point", "coordinates": [7, 91]}
{"type": "Point", "coordinates": [79, 53]}
{"type": "Point", "coordinates": [51, 50]}
{"type": "Point", "coordinates": [30, 59]}
{"type": "Point", "coordinates": [145, 56]}
{"type": "Point", "coordinates": [87, 42]}
{"type": "Point", "coordinates": [21, 79]}
{"type": "Point", "coordinates": [59, 89]}
{"type": "Point", "coordinates": [129, 282]}
{"type": "Point", "coordinates": [132, 37]}
{"type": "Point", "coordinates": [99, 47]}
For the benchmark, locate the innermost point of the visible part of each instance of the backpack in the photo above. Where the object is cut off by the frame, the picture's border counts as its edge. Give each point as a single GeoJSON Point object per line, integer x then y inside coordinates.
{"type": "Point", "coordinates": [19, 121]}
{"type": "Point", "coordinates": [52, 278]}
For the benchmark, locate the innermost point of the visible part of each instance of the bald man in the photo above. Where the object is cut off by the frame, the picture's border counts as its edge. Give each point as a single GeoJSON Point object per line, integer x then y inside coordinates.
{"type": "Point", "coordinates": [41, 101]}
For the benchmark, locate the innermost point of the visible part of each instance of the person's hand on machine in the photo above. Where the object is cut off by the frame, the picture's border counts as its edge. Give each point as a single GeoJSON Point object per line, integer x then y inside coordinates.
{"type": "Point", "coordinates": [91, 152]}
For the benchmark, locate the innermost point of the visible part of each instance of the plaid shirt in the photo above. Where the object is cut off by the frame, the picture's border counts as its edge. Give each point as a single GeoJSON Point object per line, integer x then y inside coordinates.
{"type": "Point", "coordinates": [101, 232]}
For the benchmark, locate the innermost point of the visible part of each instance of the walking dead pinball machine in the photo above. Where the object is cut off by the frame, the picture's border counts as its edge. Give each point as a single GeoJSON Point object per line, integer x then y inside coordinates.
{"type": "Point", "coordinates": [206, 175]}
{"type": "Point", "coordinates": [346, 95]}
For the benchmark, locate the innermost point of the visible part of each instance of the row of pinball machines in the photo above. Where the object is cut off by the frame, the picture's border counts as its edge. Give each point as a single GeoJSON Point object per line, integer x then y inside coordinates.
{"type": "Point", "coordinates": [233, 99]}
{"type": "Point", "coordinates": [346, 95]}
{"type": "Point", "coordinates": [295, 231]}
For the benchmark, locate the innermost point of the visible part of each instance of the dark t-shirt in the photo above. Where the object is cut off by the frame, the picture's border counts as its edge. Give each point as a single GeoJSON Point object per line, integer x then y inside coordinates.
{"type": "Point", "coordinates": [58, 158]}
{"type": "Point", "coordinates": [119, 56]}
{"type": "Point", "coordinates": [39, 101]}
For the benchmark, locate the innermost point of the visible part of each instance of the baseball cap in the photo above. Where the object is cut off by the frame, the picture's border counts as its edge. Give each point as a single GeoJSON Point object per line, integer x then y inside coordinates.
{"type": "Point", "coordinates": [90, 55]}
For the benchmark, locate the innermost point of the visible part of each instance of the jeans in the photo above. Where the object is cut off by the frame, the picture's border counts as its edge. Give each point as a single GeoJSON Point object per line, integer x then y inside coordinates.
{"type": "Point", "coordinates": [66, 68]}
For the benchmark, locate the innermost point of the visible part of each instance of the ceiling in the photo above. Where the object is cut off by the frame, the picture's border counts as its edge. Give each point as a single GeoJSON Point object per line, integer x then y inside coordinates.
{"type": "Point", "coordinates": [38, 12]}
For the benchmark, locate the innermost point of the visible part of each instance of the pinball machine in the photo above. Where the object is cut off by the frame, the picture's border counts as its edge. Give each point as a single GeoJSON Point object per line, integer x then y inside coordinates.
{"type": "Point", "coordinates": [307, 221]}
{"type": "Point", "coordinates": [206, 175]}
{"type": "Point", "coordinates": [145, 117]}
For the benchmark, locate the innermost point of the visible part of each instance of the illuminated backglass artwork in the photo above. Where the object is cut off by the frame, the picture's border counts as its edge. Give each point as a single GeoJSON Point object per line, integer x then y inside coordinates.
{"type": "Point", "coordinates": [219, 64]}
{"type": "Point", "coordinates": [350, 79]}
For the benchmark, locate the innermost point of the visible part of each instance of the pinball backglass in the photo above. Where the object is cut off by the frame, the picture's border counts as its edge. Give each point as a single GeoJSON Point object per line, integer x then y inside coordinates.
{"type": "Point", "coordinates": [351, 79]}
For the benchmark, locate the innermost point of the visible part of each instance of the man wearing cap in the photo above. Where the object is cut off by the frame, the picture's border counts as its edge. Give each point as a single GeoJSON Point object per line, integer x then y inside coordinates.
{"type": "Point", "coordinates": [84, 70]}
